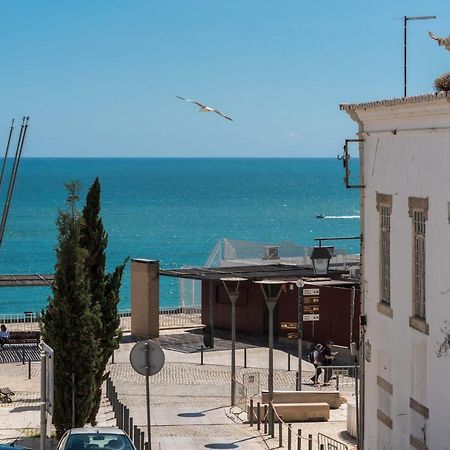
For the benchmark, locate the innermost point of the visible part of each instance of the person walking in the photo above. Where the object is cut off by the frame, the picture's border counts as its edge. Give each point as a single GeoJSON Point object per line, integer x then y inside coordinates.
{"type": "Point", "coordinates": [4, 335]}
{"type": "Point", "coordinates": [328, 358]}
{"type": "Point", "coordinates": [317, 360]}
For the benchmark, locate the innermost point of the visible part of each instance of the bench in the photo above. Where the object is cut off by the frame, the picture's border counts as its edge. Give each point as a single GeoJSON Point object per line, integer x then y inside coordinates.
{"type": "Point", "coordinates": [296, 412]}
{"type": "Point", "coordinates": [24, 337]}
{"type": "Point", "coordinates": [331, 397]}
{"type": "Point", "coordinates": [6, 394]}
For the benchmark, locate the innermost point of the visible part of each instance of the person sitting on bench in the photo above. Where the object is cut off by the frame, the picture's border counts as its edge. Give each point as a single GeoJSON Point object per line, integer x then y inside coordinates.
{"type": "Point", "coordinates": [4, 335]}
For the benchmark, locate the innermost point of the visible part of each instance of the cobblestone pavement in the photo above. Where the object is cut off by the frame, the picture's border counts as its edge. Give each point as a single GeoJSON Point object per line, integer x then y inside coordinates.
{"type": "Point", "coordinates": [194, 374]}
{"type": "Point", "coordinates": [188, 391]}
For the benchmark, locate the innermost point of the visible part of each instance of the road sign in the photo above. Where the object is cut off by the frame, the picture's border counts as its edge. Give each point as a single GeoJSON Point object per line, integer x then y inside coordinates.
{"type": "Point", "coordinates": [138, 358]}
{"type": "Point", "coordinates": [310, 317]}
{"type": "Point", "coordinates": [307, 292]}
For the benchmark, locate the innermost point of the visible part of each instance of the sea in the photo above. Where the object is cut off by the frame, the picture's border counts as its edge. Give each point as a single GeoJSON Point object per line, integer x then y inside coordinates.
{"type": "Point", "coordinates": [173, 210]}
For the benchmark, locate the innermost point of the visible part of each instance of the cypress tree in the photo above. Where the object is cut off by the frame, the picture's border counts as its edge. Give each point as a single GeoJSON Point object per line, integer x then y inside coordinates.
{"type": "Point", "coordinates": [104, 288]}
{"type": "Point", "coordinates": [70, 322]}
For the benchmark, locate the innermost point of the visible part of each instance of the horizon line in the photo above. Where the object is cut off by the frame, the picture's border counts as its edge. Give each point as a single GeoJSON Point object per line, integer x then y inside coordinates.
{"type": "Point", "coordinates": [178, 157]}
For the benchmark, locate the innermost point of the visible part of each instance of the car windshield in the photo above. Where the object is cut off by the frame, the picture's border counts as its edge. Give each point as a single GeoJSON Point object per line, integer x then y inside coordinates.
{"type": "Point", "coordinates": [92, 441]}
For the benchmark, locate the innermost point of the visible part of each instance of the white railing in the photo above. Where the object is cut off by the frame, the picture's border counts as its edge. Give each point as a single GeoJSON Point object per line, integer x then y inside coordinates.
{"type": "Point", "coordinates": [181, 317]}
{"type": "Point", "coordinates": [185, 316]}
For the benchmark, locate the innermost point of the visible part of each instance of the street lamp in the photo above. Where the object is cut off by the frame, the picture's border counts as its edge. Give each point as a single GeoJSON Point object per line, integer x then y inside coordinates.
{"type": "Point", "coordinates": [405, 26]}
{"type": "Point", "coordinates": [233, 293]}
{"type": "Point", "coordinates": [271, 290]}
{"type": "Point", "coordinates": [320, 257]}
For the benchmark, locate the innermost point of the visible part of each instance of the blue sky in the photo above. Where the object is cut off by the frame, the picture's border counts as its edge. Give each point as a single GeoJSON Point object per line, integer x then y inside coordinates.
{"type": "Point", "coordinates": [99, 78]}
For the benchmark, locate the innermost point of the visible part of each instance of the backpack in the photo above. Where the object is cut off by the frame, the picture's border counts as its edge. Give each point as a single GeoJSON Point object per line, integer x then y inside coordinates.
{"type": "Point", "coordinates": [311, 357]}
{"type": "Point", "coordinates": [321, 355]}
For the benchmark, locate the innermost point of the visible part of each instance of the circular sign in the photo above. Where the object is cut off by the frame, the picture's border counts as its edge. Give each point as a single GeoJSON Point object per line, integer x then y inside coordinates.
{"type": "Point", "coordinates": [147, 358]}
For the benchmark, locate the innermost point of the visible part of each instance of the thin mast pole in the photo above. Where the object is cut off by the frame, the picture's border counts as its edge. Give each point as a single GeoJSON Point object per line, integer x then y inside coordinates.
{"type": "Point", "coordinates": [405, 25]}
{"type": "Point", "coordinates": [12, 181]}
{"type": "Point", "coordinates": [6, 152]}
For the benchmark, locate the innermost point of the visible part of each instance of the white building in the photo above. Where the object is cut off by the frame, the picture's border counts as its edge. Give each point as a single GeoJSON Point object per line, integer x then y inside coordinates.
{"type": "Point", "coordinates": [405, 220]}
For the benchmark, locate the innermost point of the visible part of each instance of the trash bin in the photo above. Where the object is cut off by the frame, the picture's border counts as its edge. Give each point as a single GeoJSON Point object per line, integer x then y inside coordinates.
{"type": "Point", "coordinates": [208, 338]}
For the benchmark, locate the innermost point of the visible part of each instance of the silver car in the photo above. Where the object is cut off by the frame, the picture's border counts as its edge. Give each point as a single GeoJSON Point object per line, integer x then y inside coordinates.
{"type": "Point", "coordinates": [96, 438]}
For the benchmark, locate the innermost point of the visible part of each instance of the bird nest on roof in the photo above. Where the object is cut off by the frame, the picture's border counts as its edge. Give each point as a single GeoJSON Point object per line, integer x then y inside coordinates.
{"type": "Point", "coordinates": [442, 83]}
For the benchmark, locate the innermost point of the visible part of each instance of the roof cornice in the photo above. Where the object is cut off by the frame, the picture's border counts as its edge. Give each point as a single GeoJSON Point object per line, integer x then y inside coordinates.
{"type": "Point", "coordinates": [438, 97]}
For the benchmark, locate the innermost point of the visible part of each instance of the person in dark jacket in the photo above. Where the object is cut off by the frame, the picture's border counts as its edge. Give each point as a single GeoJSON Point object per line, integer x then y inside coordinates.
{"type": "Point", "coordinates": [328, 358]}
{"type": "Point", "coordinates": [317, 362]}
{"type": "Point", "coordinates": [4, 335]}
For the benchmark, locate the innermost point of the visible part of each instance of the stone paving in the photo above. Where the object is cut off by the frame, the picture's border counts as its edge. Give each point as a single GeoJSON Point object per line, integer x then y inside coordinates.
{"type": "Point", "coordinates": [189, 401]}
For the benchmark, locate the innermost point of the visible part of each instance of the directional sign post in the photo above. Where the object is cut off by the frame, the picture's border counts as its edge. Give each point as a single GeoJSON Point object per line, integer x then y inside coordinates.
{"type": "Point", "coordinates": [308, 310]}
{"type": "Point", "coordinates": [147, 358]}
{"type": "Point", "coordinates": [311, 306]}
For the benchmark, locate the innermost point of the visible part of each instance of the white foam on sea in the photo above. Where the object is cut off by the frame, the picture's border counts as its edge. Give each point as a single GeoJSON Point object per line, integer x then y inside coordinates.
{"type": "Point", "coordinates": [341, 217]}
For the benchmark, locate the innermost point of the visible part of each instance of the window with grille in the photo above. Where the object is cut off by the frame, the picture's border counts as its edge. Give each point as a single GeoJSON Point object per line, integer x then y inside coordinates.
{"type": "Point", "coordinates": [385, 254]}
{"type": "Point", "coordinates": [419, 218]}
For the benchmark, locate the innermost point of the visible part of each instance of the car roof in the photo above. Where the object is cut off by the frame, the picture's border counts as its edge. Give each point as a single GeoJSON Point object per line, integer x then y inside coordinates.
{"type": "Point", "coordinates": [103, 430]}
{"type": "Point", "coordinates": [9, 447]}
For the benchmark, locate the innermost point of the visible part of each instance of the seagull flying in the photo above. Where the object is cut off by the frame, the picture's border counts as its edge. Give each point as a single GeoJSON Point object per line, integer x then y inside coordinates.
{"type": "Point", "coordinates": [444, 42]}
{"type": "Point", "coordinates": [204, 108]}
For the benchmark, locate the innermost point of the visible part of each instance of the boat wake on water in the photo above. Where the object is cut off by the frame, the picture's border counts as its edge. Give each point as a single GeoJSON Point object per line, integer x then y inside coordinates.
{"type": "Point", "coordinates": [340, 217]}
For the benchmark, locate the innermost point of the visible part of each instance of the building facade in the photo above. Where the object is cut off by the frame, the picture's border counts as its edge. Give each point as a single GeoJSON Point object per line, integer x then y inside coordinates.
{"type": "Point", "coordinates": [404, 152]}
{"type": "Point", "coordinates": [336, 315]}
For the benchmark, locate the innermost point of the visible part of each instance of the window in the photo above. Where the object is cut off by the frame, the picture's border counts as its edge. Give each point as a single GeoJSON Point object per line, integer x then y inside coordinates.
{"type": "Point", "coordinates": [384, 206]}
{"type": "Point", "coordinates": [418, 211]}
{"type": "Point", "coordinates": [385, 256]}
{"type": "Point", "coordinates": [419, 264]}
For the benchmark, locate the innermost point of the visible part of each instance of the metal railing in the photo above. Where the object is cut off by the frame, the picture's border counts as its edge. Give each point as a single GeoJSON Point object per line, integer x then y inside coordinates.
{"type": "Point", "coordinates": [326, 442]}
{"type": "Point", "coordinates": [181, 317]}
{"type": "Point", "coordinates": [287, 437]}
{"type": "Point", "coordinates": [185, 316]}
{"type": "Point", "coordinates": [124, 421]}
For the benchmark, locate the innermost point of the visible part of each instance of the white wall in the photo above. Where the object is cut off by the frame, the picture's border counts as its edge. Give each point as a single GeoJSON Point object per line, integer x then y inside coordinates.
{"type": "Point", "coordinates": [413, 161]}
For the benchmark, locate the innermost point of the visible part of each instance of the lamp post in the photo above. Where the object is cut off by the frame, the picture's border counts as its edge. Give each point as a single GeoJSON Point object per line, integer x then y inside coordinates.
{"type": "Point", "coordinates": [300, 284]}
{"type": "Point", "coordinates": [320, 257]}
{"type": "Point", "coordinates": [405, 28]}
{"type": "Point", "coordinates": [232, 289]}
{"type": "Point", "coordinates": [271, 290]}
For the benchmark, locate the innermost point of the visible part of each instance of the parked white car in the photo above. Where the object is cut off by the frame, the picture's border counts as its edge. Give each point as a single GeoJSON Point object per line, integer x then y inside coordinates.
{"type": "Point", "coordinates": [95, 438]}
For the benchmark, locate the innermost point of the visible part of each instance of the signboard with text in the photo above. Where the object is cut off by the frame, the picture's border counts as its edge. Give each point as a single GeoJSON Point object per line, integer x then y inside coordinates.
{"type": "Point", "coordinates": [311, 305]}
{"type": "Point", "coordinates": [310, 317]}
